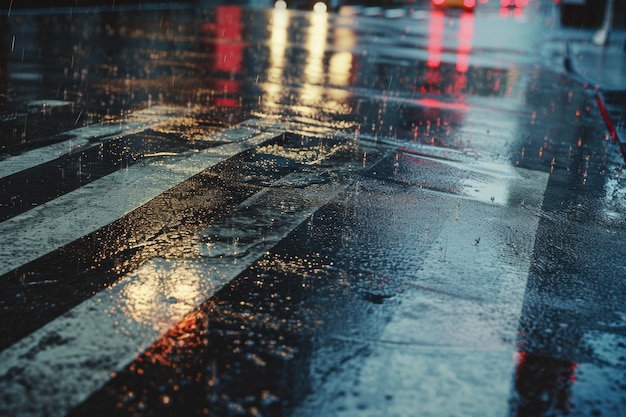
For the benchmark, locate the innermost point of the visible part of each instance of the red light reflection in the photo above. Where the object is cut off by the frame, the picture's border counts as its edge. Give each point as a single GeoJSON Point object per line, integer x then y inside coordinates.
{"type": "Point", "coordinates": [512, 7]}
{"type": "Point", "coordinates": [433, 103]}
{"type": "Point", "coordinates": [228, 57]}
{"type": "Point", "coordinates": [435, 38]}
{"type": "Point", "coordinates": [228, 61]}
{"type": "Point", "coordinates": [543, 383]}
{"type": "Point", "coordinates": [465, 35]}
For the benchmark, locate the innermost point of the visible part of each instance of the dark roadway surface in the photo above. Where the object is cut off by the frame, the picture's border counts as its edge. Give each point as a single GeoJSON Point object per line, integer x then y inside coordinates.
{"type": "Point", "coordinates": [236, 211]}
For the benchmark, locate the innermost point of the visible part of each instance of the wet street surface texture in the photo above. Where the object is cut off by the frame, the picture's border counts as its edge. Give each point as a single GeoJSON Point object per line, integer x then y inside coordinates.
{"type": "Point", "coordinates": [239, 211]}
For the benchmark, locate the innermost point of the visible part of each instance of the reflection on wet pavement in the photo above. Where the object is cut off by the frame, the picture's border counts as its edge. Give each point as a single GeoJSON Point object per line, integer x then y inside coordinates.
{"type": "Point", "coordinates": [272, 212]}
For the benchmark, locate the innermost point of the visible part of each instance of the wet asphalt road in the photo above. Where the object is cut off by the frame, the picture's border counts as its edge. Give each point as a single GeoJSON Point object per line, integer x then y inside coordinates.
{"type": "Point", "coordinates": [231, 211]}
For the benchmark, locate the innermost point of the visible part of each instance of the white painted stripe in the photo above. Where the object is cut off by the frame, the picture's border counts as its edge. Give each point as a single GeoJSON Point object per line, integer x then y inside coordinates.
{"type": "Point", "coordinates": [45, 228]}
{"type": "Point", "coordinates": [373, 11]}
{"type": "Point", "coordinates": [105, 333]}
{"type": "Point", "coordinates": [34, 107]}
{"type": "Point", "coordinates": [448, 349]}
{"type": "Point", "coordinates": [43, 105]}
{"type": "Point", "coordinates": [395, 13]}
{"type": "Point", "coordinates": [457, 348]}
{"type": "Point", "coordinates": [90, 136]}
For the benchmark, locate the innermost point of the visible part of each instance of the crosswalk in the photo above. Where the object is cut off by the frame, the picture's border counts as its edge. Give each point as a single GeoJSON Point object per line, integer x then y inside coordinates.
{"type": "Point", "coordinates": [87, 137]}
{"type": "Point", "coordinates": [88, 343]}
{"type": "Point", "coordinates": [84, 346]}
{"type": "Point", "coordinates": [47, 227]}
{"type": "Point", "coordinates": [161, 276]}
{"type": "Point", "coordinates": [389, 265]}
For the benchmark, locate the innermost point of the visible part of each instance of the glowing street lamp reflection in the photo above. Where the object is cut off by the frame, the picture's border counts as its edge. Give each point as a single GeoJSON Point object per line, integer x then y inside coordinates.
{"type": "Point", "coordinates": [314, 64]}
{"type": "Point", "coordinates": [340, 63]}
{"type": "Point", "coordinates": [160, 293]}
{"type": "Point", "coordinates": [278, 45]}
{"type": "Point", "coordinates": [320, 7]}
{"type": "Point", "coordinates": [277, 48]}
{"type": "Point", "coordinates": [339, 67]}
{"type": "Point", "coordinates": [316, 46]}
